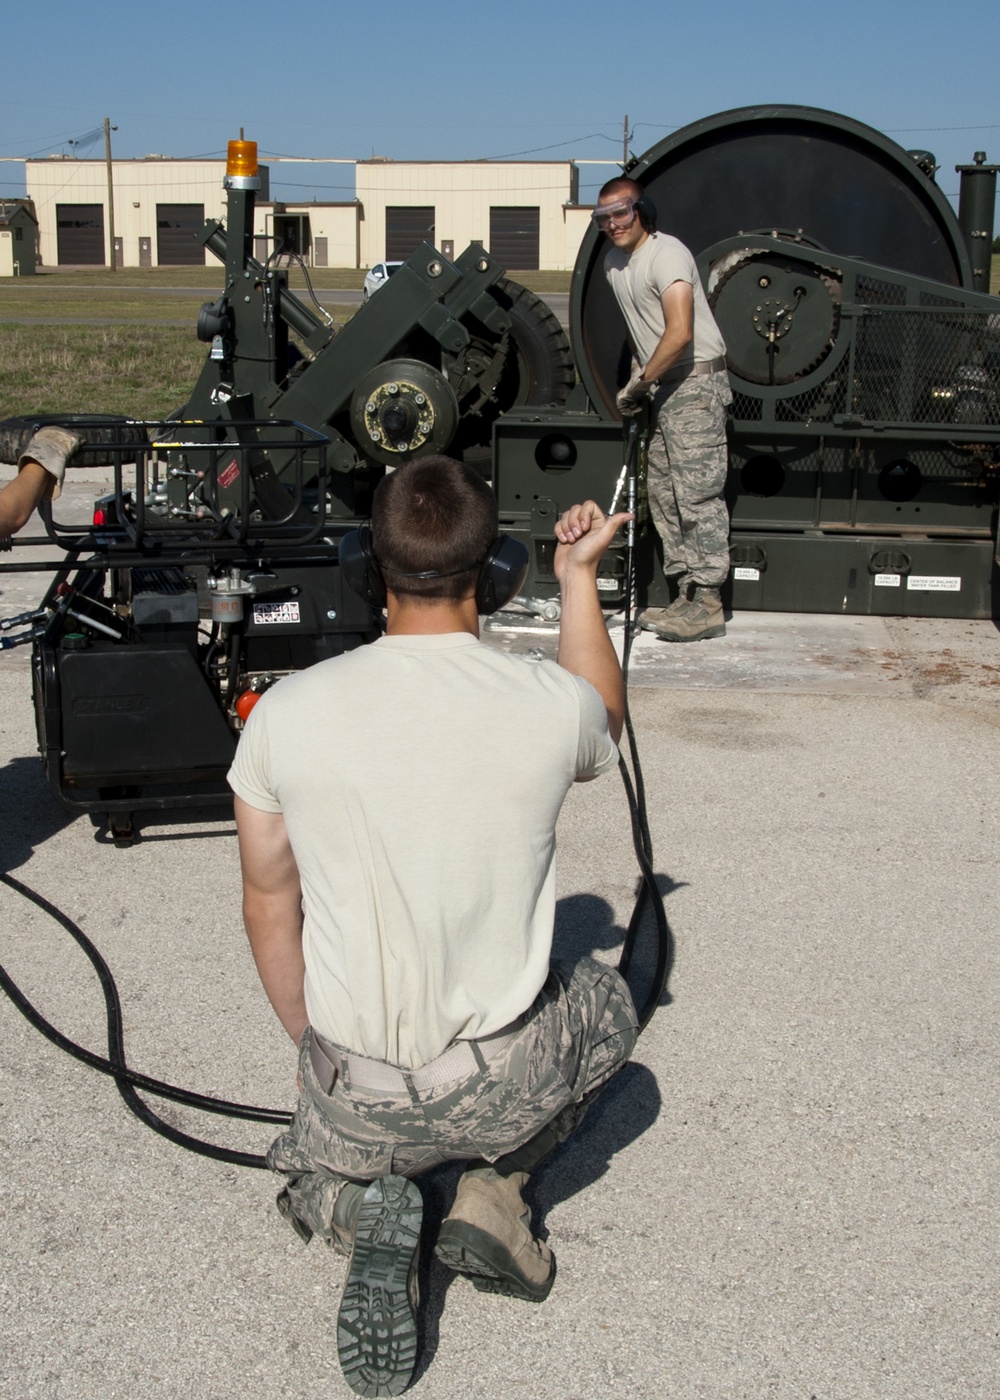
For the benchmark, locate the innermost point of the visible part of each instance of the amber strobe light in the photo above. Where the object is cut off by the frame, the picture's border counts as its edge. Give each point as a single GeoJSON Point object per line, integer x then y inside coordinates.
{"type": "Point", "coordinates": [242, 158]}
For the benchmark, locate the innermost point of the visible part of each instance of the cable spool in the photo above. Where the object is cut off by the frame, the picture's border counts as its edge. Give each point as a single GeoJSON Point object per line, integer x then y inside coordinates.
{"type": "Point", "coordinates": [769, 170]}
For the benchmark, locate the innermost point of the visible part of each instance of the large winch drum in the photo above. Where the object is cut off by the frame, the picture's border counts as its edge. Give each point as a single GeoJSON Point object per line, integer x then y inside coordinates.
{"type": "Point", "coordinates": [819, 177]}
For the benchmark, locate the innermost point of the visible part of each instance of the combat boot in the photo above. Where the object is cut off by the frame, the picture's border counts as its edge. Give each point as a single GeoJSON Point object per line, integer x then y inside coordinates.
{"type": "Point", "coordinates": [345, 1216]}
{"type": "Point", "coordinates": [377, 1322]}
{"type": "Point", "coordinates": [487, 1235]}
{"type": "Point", "coordinates": [701, 619]}
{"type": "Point", "coordinates": [652, 619]}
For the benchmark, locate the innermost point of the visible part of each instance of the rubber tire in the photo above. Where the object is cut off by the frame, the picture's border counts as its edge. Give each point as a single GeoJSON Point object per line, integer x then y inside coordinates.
{"type": "Point", "coordinates": [539, 371]}
{"type": "Point", "coordinates": [546, 372]}
{"type": "Point", "coordinates": [96, 429]}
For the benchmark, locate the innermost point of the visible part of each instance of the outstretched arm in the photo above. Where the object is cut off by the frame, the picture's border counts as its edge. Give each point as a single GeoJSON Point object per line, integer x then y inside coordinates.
{"type": "Point", "coordinates": [20, 497]}
{"type": "Point", "coordinates": [41, 467]}
{"type": "Point", "coordinates": [272, 912]}
{"type": "Point", "coordinates": [584, 533]}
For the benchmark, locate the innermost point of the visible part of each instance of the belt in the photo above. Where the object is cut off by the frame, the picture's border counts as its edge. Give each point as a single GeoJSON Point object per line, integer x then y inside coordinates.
{"type": "Point", "coordinates": [332, 1062]}
{"type": "Point", "coordinates": [689, 371]}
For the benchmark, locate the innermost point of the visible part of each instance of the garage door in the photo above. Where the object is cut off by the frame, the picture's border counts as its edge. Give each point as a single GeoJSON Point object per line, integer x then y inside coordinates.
{"type": "Point", "coordinates": [176, 226]}
{"type": "Point", "coordinates": [406, 227]}
{"type": "Point", "coordinates": [80, 234]}
{"type": "Point", "coordinates": [514, 235]}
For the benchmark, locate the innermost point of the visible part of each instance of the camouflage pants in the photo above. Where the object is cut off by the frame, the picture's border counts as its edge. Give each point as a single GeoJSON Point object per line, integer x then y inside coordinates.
{"type": "Point", "coordinates": [581, 1028]}
{"type": "Point", "coordinates": [686, 476]}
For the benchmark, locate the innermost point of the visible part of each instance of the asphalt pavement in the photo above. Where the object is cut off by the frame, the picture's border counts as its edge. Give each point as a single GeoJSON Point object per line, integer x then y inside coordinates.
{"type": "Point", "coordinates": [792, 1191]}
{"type": "Point", "coordinates": [558, 302]}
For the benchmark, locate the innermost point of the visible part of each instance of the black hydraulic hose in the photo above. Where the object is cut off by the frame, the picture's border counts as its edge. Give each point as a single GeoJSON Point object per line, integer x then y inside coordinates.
{"type": "Point", "coordinates": [128, 1080]}
{"type": "Point", "coordinates": [649, 892]}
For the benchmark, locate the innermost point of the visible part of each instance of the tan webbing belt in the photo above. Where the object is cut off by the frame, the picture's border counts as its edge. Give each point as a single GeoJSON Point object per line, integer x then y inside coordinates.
{"type": "Point", "coordinates": [332, 1062]}
{"type": "Point", "coordinates": [688, 371]}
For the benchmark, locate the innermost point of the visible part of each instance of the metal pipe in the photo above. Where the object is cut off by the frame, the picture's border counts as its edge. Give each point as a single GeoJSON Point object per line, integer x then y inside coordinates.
{"type": "Point", "coordinates": [977, 199]}
{"type": "Point", "coordinates": [108, 129]}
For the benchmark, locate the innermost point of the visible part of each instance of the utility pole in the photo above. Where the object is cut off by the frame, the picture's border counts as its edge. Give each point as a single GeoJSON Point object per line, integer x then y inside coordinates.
{"type": "Point", "coordinates": [625, 143]}
{"type": "Point", "coordinates": [108, 129]}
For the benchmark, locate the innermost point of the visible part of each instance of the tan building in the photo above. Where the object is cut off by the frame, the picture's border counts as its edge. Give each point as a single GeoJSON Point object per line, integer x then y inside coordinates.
{"type": "Point", "coordinates": [323, 235]}
{"type": "Point", "coordinates": [525, 213]}
{"type": "Point", "coordinates": [518, 210]}
{"type": "Point", "coordinates": [18, 237]}
{"type": "Point", "coordinates": [160, 205]}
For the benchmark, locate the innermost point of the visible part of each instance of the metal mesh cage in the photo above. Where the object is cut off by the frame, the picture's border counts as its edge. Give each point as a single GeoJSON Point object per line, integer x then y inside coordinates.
{"type": "Point", "coordinates": [927, 364]}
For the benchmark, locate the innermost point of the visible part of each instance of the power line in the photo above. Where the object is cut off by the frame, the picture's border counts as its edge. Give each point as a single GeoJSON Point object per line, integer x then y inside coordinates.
{"type": "Point", "coordinates": [594, 136]}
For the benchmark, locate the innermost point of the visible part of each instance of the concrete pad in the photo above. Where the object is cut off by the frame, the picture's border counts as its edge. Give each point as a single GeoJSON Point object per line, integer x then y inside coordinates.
{"type": "Point", "coordinates": [760, 651]}
{"type": "Point", "coordinates": [791, 1192]}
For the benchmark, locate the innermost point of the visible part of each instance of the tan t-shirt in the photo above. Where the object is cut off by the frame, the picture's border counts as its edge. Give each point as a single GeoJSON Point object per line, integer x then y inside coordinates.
{"type": "Point", "coordinates": [639, 281]}
{"type": "Point", "coordinates": [420, 780]}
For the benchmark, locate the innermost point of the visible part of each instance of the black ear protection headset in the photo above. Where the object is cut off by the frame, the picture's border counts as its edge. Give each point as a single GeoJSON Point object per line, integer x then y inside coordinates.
{"type": "Point", "coordinates": [646, 210]}
{"type": "Point", "coordinates": [501, 573]}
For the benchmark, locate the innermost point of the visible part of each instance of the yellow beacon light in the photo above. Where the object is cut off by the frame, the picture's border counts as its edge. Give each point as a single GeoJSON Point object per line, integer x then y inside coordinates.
{"type": "Point", "coordinates": [242, 159]}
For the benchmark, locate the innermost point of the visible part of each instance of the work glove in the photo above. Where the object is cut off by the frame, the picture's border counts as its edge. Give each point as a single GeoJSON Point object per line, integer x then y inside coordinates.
{"type": "Point", "coordinates": [631, 399]}
{"type": "Point", "coordinates": [51, 448]}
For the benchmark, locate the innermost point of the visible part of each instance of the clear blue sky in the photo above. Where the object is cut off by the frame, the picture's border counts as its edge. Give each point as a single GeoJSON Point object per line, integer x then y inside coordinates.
{"type": "Point", "coordinates": [548, 80]}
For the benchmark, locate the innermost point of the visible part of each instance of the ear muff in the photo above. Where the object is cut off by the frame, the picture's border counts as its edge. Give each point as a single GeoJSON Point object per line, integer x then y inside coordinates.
{"type": "Point", "coordinates": [360, 567]}
{"type": "Point", "coordinates": [500, 578]}
{"type": "Point", "coordinates": [502, 575]}
{"type": "Point", "coordinates": [646, 210]}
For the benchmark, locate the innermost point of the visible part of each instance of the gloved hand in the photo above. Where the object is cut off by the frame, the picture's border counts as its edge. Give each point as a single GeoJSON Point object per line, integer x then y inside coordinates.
{"type": "Point", "coordinates": [631, 399]}
{"type": "Point", "coordinates": [51, 448]}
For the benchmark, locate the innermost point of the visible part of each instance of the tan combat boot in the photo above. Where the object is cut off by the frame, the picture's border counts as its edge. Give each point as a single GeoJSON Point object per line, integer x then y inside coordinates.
{"type": "Point", "coordinates": [487, 1235]}
{"type": "Point", "coordinates": [345, 1216]}
{"type": "Point", "coordinates": [652, 619]}
{"type": "Point", "coordinates": [702, 618]}
{"type": "Point", "coordinates": [377, 1321]}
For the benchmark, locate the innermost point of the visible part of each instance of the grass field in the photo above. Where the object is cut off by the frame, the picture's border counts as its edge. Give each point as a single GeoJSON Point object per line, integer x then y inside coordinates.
{"type": "Point", "coordinates": [144, 371]}
{"type": "Point", "coordinates": [119, 304]}
{"type": "Point", "coordinates": [139, 371]}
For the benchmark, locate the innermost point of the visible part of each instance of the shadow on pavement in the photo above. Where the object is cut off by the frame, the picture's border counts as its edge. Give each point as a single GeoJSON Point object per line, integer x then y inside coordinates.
{"type": "Point", "coordinates": [31, 813]}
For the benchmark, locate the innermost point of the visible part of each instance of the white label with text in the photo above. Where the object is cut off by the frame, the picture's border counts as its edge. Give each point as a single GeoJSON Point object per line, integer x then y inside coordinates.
{"type": "Point", "coordinates": [933, 583]}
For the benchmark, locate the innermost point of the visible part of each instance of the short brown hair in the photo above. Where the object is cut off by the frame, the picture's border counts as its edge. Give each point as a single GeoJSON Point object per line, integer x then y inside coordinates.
{"type": "Point", "coordinates": [433, 515]}
{"type": "Point", "coordinates": [622, 187]}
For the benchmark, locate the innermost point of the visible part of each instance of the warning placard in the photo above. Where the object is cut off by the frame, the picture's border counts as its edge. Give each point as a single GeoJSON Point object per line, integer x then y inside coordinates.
{"type": "Point", "coordinates": [933, 583]}
{"type": "Point", "coordinates": [265, 613]}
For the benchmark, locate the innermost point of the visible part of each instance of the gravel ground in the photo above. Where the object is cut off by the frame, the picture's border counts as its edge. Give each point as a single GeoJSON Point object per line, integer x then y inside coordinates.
{"type": "Point", "coordinates": [791, 1192]}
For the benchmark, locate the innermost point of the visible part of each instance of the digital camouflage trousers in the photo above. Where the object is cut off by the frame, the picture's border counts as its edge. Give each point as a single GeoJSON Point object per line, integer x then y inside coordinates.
{"type": "Point", "coordinates": [581, 1028]}
{"type": "Point", "coordinates": [686, 477]}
